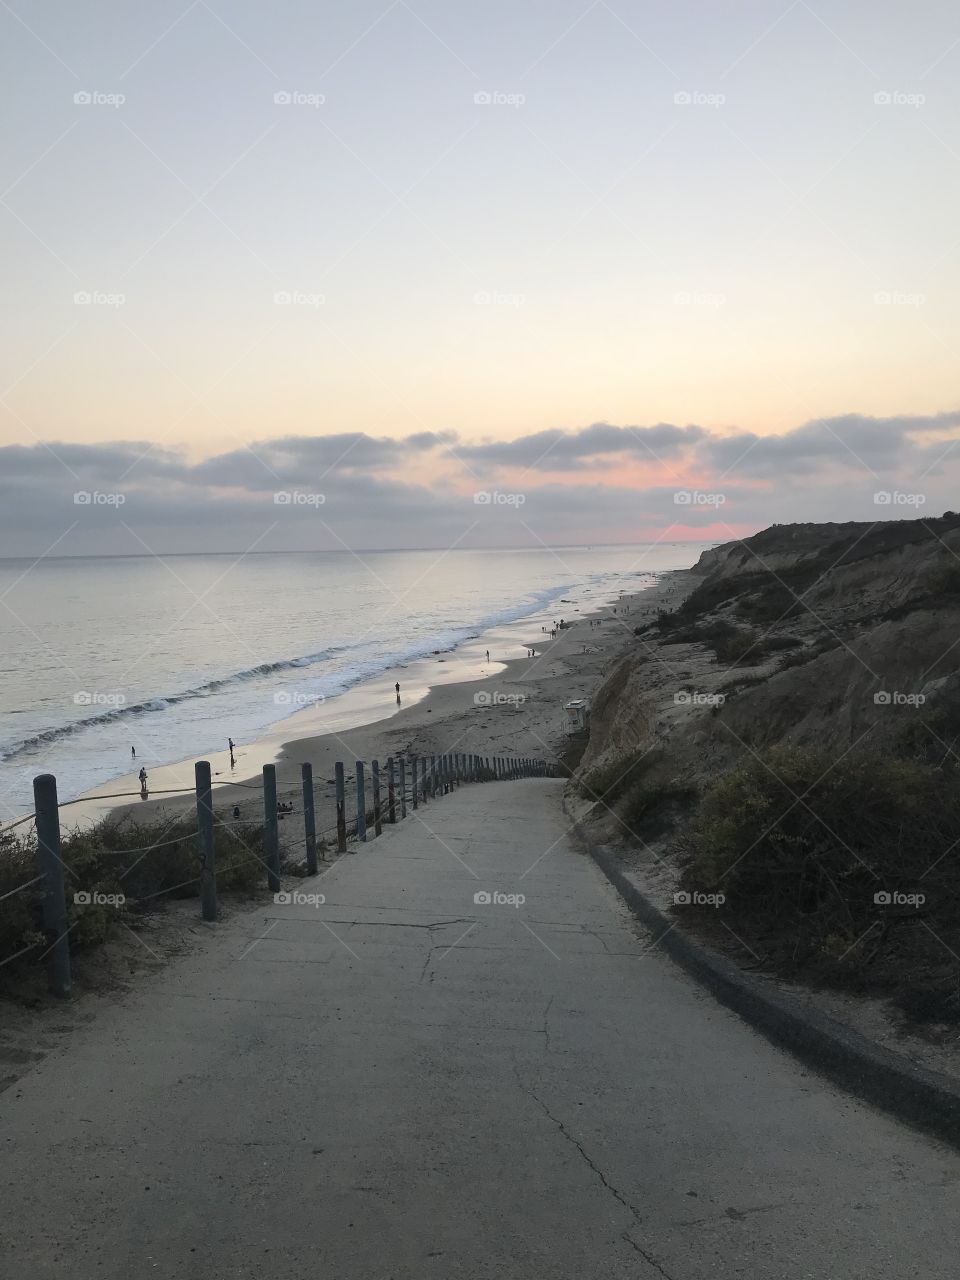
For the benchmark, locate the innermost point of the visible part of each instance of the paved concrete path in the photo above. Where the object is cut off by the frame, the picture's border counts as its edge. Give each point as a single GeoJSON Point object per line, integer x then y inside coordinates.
{"type": "Point", "coordinates": [403, 1084]}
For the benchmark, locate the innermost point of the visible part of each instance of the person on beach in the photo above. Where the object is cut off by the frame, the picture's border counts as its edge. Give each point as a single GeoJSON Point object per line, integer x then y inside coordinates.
{"type": "Point", "coordinates": [397, 687]}
{"type": "Point", "coordinates": [133, 752]}
{"type": "Point", "coordinates": [488, 655]}
{"type": "Point", "coordinates": [143, 781]}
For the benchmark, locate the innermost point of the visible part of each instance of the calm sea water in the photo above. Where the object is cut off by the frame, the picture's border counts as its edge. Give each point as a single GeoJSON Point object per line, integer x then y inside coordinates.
{"type": "Point", "coordinates": [101, 654]}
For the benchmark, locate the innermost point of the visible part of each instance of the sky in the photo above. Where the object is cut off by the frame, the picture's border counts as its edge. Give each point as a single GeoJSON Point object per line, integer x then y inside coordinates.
{"type": "Point", "coordinates": [389, 273]}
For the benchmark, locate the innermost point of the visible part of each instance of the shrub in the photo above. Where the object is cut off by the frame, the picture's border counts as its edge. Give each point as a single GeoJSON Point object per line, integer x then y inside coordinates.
{"type": "Point", "coordinates": [145, 863]}
{"type": "Point", "coordinates": [801, 845]}
{"type": "Point", "coordinates": [607, 783]}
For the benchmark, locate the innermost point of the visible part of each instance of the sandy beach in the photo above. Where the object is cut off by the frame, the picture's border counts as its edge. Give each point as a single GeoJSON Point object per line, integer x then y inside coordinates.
{"type": "Point", "coordinates": [455, 701]}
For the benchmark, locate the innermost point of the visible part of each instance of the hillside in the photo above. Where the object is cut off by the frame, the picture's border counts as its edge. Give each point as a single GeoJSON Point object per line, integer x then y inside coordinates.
{"type": "Point", "coordinates": [789, 736]}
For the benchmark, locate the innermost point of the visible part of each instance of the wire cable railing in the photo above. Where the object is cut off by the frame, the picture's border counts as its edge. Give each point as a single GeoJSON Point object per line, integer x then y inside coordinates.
{"type": "Point", "coordinates": [43, 921]}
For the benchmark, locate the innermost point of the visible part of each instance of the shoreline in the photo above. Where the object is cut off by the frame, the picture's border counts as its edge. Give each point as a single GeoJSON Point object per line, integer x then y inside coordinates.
{"type": "Point", "coordinates": [518, 712]}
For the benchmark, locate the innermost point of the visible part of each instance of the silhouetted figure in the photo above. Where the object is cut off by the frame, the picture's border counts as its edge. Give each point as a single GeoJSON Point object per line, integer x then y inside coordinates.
{"type": "Point", "coordinates": [397, 687]}
{"type": "Point", "coordinates": [133, 752]}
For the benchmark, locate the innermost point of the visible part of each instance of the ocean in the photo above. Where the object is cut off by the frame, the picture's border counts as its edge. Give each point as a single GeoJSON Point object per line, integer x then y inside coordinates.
{"type": "Point", "coordinates": [170, 656]}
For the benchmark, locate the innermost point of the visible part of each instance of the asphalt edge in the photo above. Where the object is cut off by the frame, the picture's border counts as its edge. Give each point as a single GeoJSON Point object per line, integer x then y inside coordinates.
{"type": "Point", "coordinates": [927, 1100]}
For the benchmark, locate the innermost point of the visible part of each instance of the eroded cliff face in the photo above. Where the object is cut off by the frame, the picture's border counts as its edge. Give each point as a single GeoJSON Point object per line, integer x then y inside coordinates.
{"type": "Point", "coordinates": [793, 637]}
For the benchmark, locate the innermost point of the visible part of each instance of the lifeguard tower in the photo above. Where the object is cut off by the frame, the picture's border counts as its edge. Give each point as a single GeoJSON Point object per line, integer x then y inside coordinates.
{"type": "Point", "coordinates": [576, 717]}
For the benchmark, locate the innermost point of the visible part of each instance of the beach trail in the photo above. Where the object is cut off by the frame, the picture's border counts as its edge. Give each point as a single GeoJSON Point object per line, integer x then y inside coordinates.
{"type": "Point", "coordinates": [408, 1082]}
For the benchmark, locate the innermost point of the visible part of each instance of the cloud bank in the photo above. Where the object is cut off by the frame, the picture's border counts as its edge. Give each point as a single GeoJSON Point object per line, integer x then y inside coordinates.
{"type": "Point", "coordinates": [356, 491]}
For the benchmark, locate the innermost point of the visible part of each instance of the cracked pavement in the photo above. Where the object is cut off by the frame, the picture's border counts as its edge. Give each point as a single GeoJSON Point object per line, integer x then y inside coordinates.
{"type": "Point", "coordinates": [403, 1083]}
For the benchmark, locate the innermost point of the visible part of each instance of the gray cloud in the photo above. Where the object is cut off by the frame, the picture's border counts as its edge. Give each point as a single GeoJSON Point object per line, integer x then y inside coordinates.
{"type": "Point", "coordinates": [372, 495]}
{"type": "Point", "coordinates": [557, 450]}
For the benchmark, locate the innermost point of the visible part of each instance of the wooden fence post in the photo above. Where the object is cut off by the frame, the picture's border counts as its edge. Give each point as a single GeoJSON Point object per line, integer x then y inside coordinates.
{"type": "Point", "coordinates": [271, 830]}
{"type": "Point", "coordinates": [309, 818]}
{"type": "Point", "coordinates": [208, 873]}
{"type": "Point", "coordinates": [47, 809]}
{"type": "Point", "coordinates": [361, 804]}
{"type": "Point", "coordinates": [377, 819]}
{"type": "Point", "coordinates": [341, 809]}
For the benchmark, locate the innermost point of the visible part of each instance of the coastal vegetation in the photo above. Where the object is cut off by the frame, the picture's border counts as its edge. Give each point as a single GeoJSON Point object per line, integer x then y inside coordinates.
{"type": "Point", "coordinates": [116, 873]}
{"type": "Point", "coordinates": [811, 779]}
